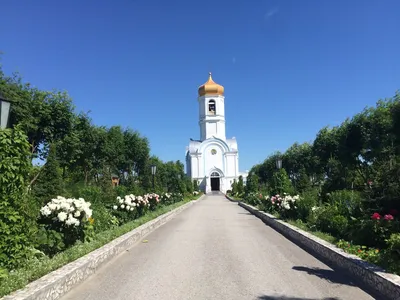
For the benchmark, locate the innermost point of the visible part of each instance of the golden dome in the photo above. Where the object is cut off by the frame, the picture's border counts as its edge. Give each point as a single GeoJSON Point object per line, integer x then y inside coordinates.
{"type": "Point", "coordinates": [211, 88]}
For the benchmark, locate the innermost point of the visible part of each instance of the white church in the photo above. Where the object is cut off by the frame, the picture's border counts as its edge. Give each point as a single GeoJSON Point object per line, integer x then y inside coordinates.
{"type": "Point", "coordinates": [213, 160]}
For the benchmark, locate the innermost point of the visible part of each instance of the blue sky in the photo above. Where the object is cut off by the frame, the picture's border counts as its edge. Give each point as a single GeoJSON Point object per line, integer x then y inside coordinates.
{"type": "Point", "coordinates": [288, 67]}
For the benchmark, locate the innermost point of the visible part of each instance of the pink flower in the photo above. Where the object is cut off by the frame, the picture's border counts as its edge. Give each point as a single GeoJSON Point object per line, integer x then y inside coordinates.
{"type": "Point", "coordinates": [376, 216]}
{"type": "Point", "coordinates": [388, 217]}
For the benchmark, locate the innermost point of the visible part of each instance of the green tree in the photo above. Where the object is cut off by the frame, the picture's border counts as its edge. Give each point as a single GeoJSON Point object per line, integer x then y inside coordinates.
{"type": "Point", "coordinates": [251, 184]}
{"type": "Point", "coordinates": [50, 184]}
{"type": "Point", "coordinates": [234, 187]}
{"type": "Point", "coordinates": [281, 183]}
{"type": "Point", "coordinates": [240, 185]}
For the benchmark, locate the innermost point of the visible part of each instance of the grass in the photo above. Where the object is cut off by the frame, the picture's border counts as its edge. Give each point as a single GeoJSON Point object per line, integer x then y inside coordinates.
{"type": "Point", "coordinates": [234, 198]}
{"type": "Point", "coordinates": [37, 268]}
{"type": "Point", "coordinates": [322, 235]}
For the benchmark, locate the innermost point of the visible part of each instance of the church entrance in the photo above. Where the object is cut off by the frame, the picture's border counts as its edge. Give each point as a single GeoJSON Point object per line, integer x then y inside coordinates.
{"type": "Point", "coordinates": [215, 181]}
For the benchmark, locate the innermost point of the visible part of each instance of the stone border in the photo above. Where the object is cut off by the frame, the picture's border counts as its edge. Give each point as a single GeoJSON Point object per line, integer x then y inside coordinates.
{"type": "Point", "coordinates": [231, 199]}
{"type": "Point", "coordinates": [374, 278]}
{"type": "Point", "coordinates": [57, 283]}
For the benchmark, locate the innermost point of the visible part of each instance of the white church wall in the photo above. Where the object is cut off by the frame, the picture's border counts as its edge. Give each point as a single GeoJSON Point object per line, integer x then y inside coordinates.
{"type": "Point", "coordinates": [212, 161]}
{"type": "Point", "coordinates": [211, 129]}
{"type": "Point", "coordinates": [194, 168]}
{"type": "Point", "coordinates": [231, 162]}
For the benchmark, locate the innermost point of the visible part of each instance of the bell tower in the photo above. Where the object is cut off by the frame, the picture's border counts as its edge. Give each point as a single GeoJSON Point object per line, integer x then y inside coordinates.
{"type": "Point", "coordinates": [211, 110]}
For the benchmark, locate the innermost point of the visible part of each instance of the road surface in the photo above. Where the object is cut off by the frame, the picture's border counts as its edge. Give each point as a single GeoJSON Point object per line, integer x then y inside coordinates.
{"type": "Point", "coordinates": [216, 250]}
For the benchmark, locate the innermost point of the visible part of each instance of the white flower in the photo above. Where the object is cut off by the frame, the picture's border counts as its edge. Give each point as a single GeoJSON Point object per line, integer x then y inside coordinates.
{"type": "Point", "coordinates": [77, 214]}
{"type": "Point", "coordinates": [72, 221]}
{"type": "Point", "coordinates": [128, 207]}
{"type": "Point", "coordinates": [45, 211]}
{"type": "Point", "coordinates": [52, 206]}
{"type": "Point", "coordinates": [65, 206]}
{"type": "Point", "coordinates": [62, 216]}
{"type": "Point", "coordinates": [115, 207]}
{"type": "Point", "coordinates": [122, 206]}
{"type": "Point", "coordinates": [88, 212]}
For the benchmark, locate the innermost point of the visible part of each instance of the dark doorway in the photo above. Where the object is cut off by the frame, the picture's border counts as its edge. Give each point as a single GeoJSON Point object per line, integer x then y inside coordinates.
{"type": "Point", "coordinates": [215, 184]}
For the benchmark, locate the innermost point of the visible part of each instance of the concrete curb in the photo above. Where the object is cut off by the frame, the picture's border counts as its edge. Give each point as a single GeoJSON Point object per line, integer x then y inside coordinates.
{"type": "Point", "coordinates": [370, 276]}
{"type": "Point", "coordinates": [231, 199]}
{"type": "Point", "coordinates": [57, 283]}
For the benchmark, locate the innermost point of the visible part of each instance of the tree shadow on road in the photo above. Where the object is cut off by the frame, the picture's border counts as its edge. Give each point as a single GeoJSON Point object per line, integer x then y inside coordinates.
{"type": "Point", "coordinates": [265, 297]}
{"type": "Point", "coordinates": [328, 275]}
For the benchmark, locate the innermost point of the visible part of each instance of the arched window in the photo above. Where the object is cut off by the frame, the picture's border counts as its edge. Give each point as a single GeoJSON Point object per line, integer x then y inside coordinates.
{"type": "Point", "coordinates": [214, 174]}
{"type": "Point", "coordinates": [211, 107]}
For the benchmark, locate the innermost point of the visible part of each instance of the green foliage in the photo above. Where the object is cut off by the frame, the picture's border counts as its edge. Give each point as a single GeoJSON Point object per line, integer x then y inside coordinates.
{"type": "Point", "coordinates": [234, 187]}
{"type": "Point", "coordinates": [303, 183]}
{"type": "Point", "coordinates": [251, 184]}
{"type": "Point", "coordinates": [393, 243]}
{"type": "Point", "coordinates": [308, 200]}
{"type": "Point", "coordinates": [328, 219]}
{"type": "Point", "coordinates": [240, 185]}
{"type": "Point", "coordinates": [195, 186]}
{"type": "Point", "coordinates": [14, 226]}
{"type": "Point", "coordinates": [49, 183]}
{"type": "Point", "coordinates": [281, 183]}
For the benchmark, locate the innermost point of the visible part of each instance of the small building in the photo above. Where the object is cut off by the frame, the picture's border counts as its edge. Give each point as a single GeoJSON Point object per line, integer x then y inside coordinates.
{"type": "Point", "coordinates": [213, 160]}
{"type": "Point", "coordinates": [115, 180]}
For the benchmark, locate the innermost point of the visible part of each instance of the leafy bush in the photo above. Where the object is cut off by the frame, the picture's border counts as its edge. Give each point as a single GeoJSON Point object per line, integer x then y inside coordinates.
{"type": "Point", "coordinates": [328, 219]}
{"type": "Point", "coordinates": [254, 199]}
{"type": "Point", "coordinates": [171, 198]}
{"type": "Point", "coordinates": [393, 244]}
{"type": "Point", "coordinates": [347, 202]}
{"type": "Point", "coordinates": [195, 185]}
{"type": "Point", "coordinates": [307, 201]}
{"type": "Point", "coordinates": [14, 225]}
{"type": "Point", "coordinates": [103, 218]}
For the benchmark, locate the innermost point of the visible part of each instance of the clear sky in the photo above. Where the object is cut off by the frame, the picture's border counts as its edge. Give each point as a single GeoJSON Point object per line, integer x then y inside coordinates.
{"type": "Point", "coordinates": [288, 67]}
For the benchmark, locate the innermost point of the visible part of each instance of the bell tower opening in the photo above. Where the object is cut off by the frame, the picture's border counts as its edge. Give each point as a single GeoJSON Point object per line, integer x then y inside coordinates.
{"type": "Point", "coordinates": [211, 107]}
{"type": "Point", "coordinates": [215, 181]}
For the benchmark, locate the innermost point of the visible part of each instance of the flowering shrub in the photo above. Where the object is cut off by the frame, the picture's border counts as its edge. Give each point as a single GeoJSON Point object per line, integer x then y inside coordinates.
{"type": "Point", "coordinates": [63, 222]}
{"type": "Point", "coordinates": [254, 199]}
{"type": "Point", "coordinates": [285, 205]}
{"type": "Point", "coordinates": [171, 198]}
{"type": "Point", "coordinates": [382, 226]}
{"type": "Point", "coordinates": [131, 206]}
{"type": "Point", "coordinates": [369, 254]}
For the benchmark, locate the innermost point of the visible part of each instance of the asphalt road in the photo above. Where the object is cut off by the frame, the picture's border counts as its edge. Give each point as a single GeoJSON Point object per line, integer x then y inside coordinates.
{"type": "Point", "coordinates": [216, 250]}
